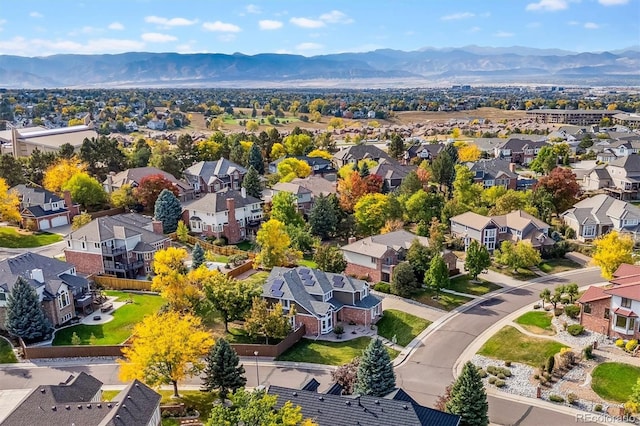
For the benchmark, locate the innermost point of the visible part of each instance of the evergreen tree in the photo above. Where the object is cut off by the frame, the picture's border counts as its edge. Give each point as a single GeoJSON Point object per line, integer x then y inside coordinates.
{"type": "Point", "coordinates": [323, 217]}
{"type": "Point", "coordinates": [222, 371]}
{"type": "Point", "coordinates": [255, 159]}
{"type": "Point", "coordinates": [468, 398]}
{"type": "Point", "coordinates": [403, 282]}
{"type": "Point", "coordinates": [237, 153]}
{"type": "Point", "coordinates": [168, 210]}
{"type": "Point", "coordinates": [197, 256]}
{"type": "Point", "coordinates": [330, 259]}
{"type": "Point", "coordinates": [396, 146]}
{"type": "Point", "coordinates": [443, 171]}
{"type": "Point", "coordinates": [410, 184]}
{"type": "Point", "coordinates": [364, 170]}
{"type": "Point", "coordinates": [452, 151]}
{"type": "Point", "coordinates": [375, 371]}
{"type": "Point", "coordinates": [478, 259]}
{"type": "Point", "coordinates": [251, 183]}
{"type": "Point", "coordinates": [25, 317]}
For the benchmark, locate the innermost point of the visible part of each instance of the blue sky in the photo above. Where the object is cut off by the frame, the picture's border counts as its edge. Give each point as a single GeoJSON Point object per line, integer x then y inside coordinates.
{"type": "Point", "coordinates": [45, 27]}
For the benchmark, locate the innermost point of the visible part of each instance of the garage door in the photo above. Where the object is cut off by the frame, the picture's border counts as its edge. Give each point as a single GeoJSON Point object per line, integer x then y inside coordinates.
{"type": "Point", "coordinates": [44, 224]}
{"type": "Point", "coordinates": [59, 221]}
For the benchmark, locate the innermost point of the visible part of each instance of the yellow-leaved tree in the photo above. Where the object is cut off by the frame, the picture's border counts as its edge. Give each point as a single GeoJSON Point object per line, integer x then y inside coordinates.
{"type": "Point", "coordinates": [320, 153]}
{"type": "Point", "coordinates": [291, 168]}
{"type": "Point", "coordinates": [275, 246]}
{"type": "Point", "coordinates": [469, 152]}
{"type": "Point", "coordinates": [182, 289]}
{"type": "Point", "coordinates": [612, 250]}
{"type": "Point", "coordinates": [166, 348]}
{"type": "Point", "coordinates": [59, 173]}
{"type": "Point", "coordinates": [9, 203]}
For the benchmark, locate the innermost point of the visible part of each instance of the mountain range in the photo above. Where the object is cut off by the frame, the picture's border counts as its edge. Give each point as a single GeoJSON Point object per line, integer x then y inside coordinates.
{"type": "Point", "coordinates": [384, 68]}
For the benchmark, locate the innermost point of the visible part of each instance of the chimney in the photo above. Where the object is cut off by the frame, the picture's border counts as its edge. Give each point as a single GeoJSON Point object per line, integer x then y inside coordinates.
{"type": "Point", "coordinates": [231, 206]}
{"type": "Point", "coordinates": [512, 167]}
{"type": "Point", "coordinates": [232, 229]}
{"type": "Point", "coordinates": [352, 240]}
{"type": "Point", "coordinates": [156, 226]}
{"type": "Point", "coordinates": [110, 182]}
{"type": "Point", "coordinates": [243, 191]}
{"type": "Point", "coordinates": [37, 275]}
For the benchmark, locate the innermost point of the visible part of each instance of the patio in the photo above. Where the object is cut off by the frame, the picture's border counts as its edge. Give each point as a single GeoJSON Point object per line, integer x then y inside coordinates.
{"type": "Point", "coordinates": [99, 317]}
{"type": "Point", "coordinates": [350, 332]}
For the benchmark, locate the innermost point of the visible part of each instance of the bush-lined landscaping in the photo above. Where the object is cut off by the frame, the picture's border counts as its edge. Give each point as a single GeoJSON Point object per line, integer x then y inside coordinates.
{"type": "Point", "coordinates": [6, 352]}
{"type": "Point", "coordinates": [402, 325]}
{"type": "Point", "coordinates": [330, 353]}
{"type": "Point", "coordinates": [613, 380]}
{"type": "Point", "coordinates": [509, 344]}
{"type": "Point", "coordinates": [11, 237]}
{"type": "Point", "coordinates": [537, 322]}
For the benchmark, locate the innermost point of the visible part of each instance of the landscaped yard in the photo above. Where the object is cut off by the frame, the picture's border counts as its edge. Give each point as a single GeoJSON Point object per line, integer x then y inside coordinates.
{"type": "Point", "coordinates": [613, 380]}
{"type": "Point", "coordinates": [553, 266]}
{"type": "Point", "coordinates": [6, 352]}
{"type": "Point", "coordinates": [258, 277]}
{"type": "Point", "coordinates": [446, 301]}
{"type": "Point", "coordinates": [402, 325]}
{"type": "Point", "coordinates": [523, 274]}
{"type": "Point", "coordinates": [12, 237]}
{"type": "Point", "coordinates": [119, 329]}
{"type": "Point", "coordinates": [509, 344]}
{"type": "Point", "coordinates": [308, 262]}
{"type": "Point", "coordinates": [463, 284]}
{"type": "Point", "coordinates": [246, 245]}
{"type": "Point", "coordinates": [331, 353]}
{"type": "Point", "coordinates": [538, 322]}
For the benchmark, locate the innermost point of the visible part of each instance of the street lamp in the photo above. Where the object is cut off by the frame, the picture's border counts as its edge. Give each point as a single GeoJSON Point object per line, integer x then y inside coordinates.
{"type": "Point", "coordinates": [257, 370]}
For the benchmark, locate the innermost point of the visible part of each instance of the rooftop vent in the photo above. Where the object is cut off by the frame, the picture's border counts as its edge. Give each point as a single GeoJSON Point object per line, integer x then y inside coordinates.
{"type": "Point", "coordinates": [53, 407]}
{"type": "Point", "coordinates": [295, 394]}
{"type": "Point", "coordinates": [99, 405]}
{"type": "Point", "coordinates": [68, 407]}
{"type": "Point", "coordinates": [321, 398]}
{"type": "Point", "coordinates": [79, 407]}
{"type": "Point", "coordinates": [405, 407]}
{"type": "Point", "coordinates": [348, 403]}
{"type": "Point", "coordinates": [377, 402]}
{"type": "Point", "coordinates": [42, 390]}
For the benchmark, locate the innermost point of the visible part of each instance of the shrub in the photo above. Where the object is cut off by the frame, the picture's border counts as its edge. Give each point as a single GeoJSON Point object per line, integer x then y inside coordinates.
{"type": "Point", "coordinates": [482, 373]}
{"type": "Point", "coordinates": [620, 343]}
{"type": "Point", "coordinates": [536, 306]}
{"type": "Point", "coordinates": [556, 398]}
{"type": "Point", "coordinates": [547, 308]}
{"type": "Point", "coordinates": [507, 363]}
{"type": "Point", "coordinates": [382, 287]}
{"type": "Point", "coordinates": [543, 380]}
{"type": "Point", "coordinates": [222, 241]}
{"type": "Point", "coordinates": [572, 398]}
{"type": "Point", "coordinates": [588, 352]}
{"type": "Point", "coordinates": [238, 259]}
{"type": "Point", "coordinates": [575, 329]}
{"type": "Point", "coordinates": [500, 383]}
{"type": "Point", "coordinates": [493, 370]}
{"type": "Point", "coordinates": [631, 345]}
{"type": "Point", "coordinates": [492, 380]}
{"type": "Point", "coordinates": [558, 311]}
{"type": "Point", "coordinates": [568, 356]}
{"type": "Point", "coordinates": [551, 363]}
{"type": "Point", "coordinates": [505, 372]}
{"type": "Point", "coordinates": [598, 408]}
{"type": "Point", "coordinates": [501, 376]}
{"type": "Point", "coordinates": [572, 311]}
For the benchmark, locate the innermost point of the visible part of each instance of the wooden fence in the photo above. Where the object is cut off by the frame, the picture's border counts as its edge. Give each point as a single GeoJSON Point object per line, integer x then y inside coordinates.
{"type": "Point", "coordinates": [110, 212]}
{"type": "Point", "coordinates": [272, 351]}
{"type": "Point", "coordinates": [115, 283]}
{"type": "Point", "coordinates": [236, 272]}
{"type": "Point", "coordinates": [220, 250]}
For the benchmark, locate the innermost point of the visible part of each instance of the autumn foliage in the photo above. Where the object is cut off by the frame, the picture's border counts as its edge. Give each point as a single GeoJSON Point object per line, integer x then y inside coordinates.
{"type": "Point", "coordinates": [355, 187]}
{"type": "Point", "coordinates": [150, 187]}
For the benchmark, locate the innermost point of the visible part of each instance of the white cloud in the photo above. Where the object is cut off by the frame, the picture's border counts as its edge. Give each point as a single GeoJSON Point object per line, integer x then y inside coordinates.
{"type": "Point", "coordinates": [336, 17]}
{"type": "Point", "coordinates": [309, 46]}
{"type": "Point", "coordinates": [222, 27]}
{"type": "Point", "coordinates": [36, 15]}
{"type": "Point", "coordinates": [169, 22]}
{"type": "Point", "coordinates": [307, 23]}
{"type": "Point", "coordinates": [42, 47]}
{"type": "Point", "coordinates": [613, 2]}
{"type": "Point", "coordinates": [503, 34]}
{"type": "Point", "coordinates": [457, 16]}
{"type": "Point", "coordinates": [573, 23]}
{"type": "Point", "coordinates": [117, 26]}
{"type": "Point", "coordinates": [252, 8]}
{"type": "Point", "coordinates": [548, 5]}
{"type": "Point", "coordinates": [267, 24]}
{"type": "Point", "coordinates": [158, 37]}
{"type": "Point", "coordinates": [591, 26]}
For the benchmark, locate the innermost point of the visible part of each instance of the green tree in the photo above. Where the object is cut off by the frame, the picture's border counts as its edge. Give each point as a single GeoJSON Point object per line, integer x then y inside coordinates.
{"type": "Point", "coordinates": [141, 154]}
{"type": "Point", "coordinates": [80, 220]}
{"type": "Point", "coordinates": [478, 259]}
{"type": "Point", "coordinates": [168, 210]}
{"type": "Point", "coordinates": [85, 190]}
{"type": "Point", "coordinates": [323, 217]}
{"type": "Point", "coordinates": [301, 238]}
{"type": "Point", "coordinates": [464, 189]}
{"type": "Point", "coordinates": [419, 257]}
{"type": "Point", "coordinates": [229, 297]}
{"type": "Point", "coordinates": [519, 255]}
{"type": "Point", "coordinates": [182, 231]}
{"type": "Point", "coordinates": [223, 371]}
{"type": "Point", "coordinates": [12, 170]}
{"type": "Point", "coordinates": [24, 315]}
{"type": "Point", "coordinates": [443, 171]}
{"type": "Point", "coordinates": [284, 208]}
{"type": "Point", "coordinates": [255, 159]}
{"type": "Point", "coordinates": [66, 151]}
{"type": "Point", "coordinates": [272, 323]}
{"type": "Point", "coordinates": [102, 155]}
{"type": "Point", "coordinates": [545, 296]}
{"type": "Point", "coordinates": [468, 398]}
{"type": "Point", "coordinates": [545, 161]}
{"type": "Point", "coordinates": [185, 151]}
{"type": "Point", "coordinates": [423, 206]}
{"type": "Point", "coordinates": [197, 256]}
{"type": "Point", "coordinates": [251, 183]}
{"type": "Point", "coordinates": [572, 291]}
{"type": "Point", "coordinates": [124, 197]}
{"type": "Point", "coordinates": [396, 146]}
{"type": "Point", "coordinates": [371, 213]}
{"type": "Point", "coordinates": [297, 144]}
{"type": "Point", "coordinates": [375, 372]}
{"type": "Point", "coordinates": [403, 281]}
{"type": "Point", "coordinates": [437, 277]}
{"type": "Point", "coordinates": [410, 184]}
{"type": "Point", "coordinates": [330, 259]}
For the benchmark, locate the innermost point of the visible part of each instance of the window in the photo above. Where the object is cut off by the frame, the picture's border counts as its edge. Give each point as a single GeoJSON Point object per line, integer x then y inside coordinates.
{"type": "Point", "coordinates": [3, 296]}
{"type": "Point", "coordinates": [586, 308]}
{"type": "Point", "coordinates": [84, 245]}
{"type": "Point", "coordinates": [607, 313]}
{"type": "Point", "coordinates": [69, 243]}
{"type": "Point", "coordinates": [589, 231]}
{"type": "Point", "coordinates": [621, 322]}
{"type": "Point", "coordinates": [148, 256]}
{"type": "Point", "coordinates": [626, 303]}
{"type": "Point", "coordinates": [503, 229]}
{"type": "Point", "coordinates": [148, 269]}
{"type": "Point", "coordinates": [63, 301]}
{"type": "Point", "coordinates": [96, 245]}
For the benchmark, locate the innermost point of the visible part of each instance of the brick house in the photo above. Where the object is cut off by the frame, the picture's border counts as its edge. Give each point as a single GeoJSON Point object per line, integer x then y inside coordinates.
{"type": "Point", "coordinates": [214, 176]}
{"type": "Point", "coordinates": [122, 245]}
{"type": "Point", "coordinates": [133, 176]}
{"type": "Point", "coordinates": [494, 172]}
{"type": "Point", "coordinates": [355, 153]}
{"type": "Point", "coordinates": [304, 196]}
{"type": "Point", "coordinates": [60, 290]}
{"type": "Point", "coordinates": [519, 151]}
{"type": "Point", "coordinates": [41, 209]}
{"type": "Point", "coordinates": [322, 299]}
{"type": "Point", "coordinates": [375, 257]}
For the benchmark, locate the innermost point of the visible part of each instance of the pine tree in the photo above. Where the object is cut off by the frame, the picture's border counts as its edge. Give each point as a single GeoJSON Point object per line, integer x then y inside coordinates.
{"type": "Point", "coordinates": [168, 210]}
{"type": "Point", "coordinates": [330, 259]}
{"type": "Point", "coordinates": [468, 398]}
{"type": "Point", "coordinates": [251, 183]}
{"type": "Point", "coordinates": [25, 317]}
{"type": "Point", "coordinates": [403, 281]}
{"type": "Point", "coordinates": [364, 170]}
{"type": "Point", "coordinates": [255, 159]}
{"type": "Point", "coordinates": [375, 371]}
{"type": "Point", "coordinates": [222, 371]}
{"type": "Point", "coordinates": [197, 256]}
{"type": "Point", "coordinates": [396, 146]}
{"type": "Point", "coordinates": [323, 218]}
{"type": "Point", "coordinates": [478, 259]}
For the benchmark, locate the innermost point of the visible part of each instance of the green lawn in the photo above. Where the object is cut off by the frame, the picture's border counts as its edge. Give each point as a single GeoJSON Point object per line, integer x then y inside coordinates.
{"type": "Point", "coordinates": [463, 284]}
{"type": "Point", "coordinates": [246, 246]}
{"type": "Point", "coordinates": [402, 325]}
{"type": "Point", "coordinates": [11, 238]}
{"type": "Point", "coordinates": [509, 344]}
{"type": "Point", "coordinates": [523, 274]}
{"type": "Point", "coordinates": [613, 380]}
{"type": "Point", "coordinates": [219, 258]}
{"type": "Point", "coordinates": [120, 328]}
{"type": "Point", "coordinates": [6, 352]}
{"type": "Point", "coordinates": [553, 266]}
{"type": "Point", "coordinates": [538, 322]}
{"type": "Point", "coordinates": [446, 301]}
{"type": "Point", "coordinates": [308, 262]}
{"type": "Point", "coordinates": [331, 353]}
{"type": "Point", "coordinates": [258, 277]}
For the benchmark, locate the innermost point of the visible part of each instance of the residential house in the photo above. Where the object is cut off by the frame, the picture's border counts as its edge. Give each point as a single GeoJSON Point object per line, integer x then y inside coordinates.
{"type": "Point", "coordinates": [134, 176]}
{"type": "Point", "coordinates": [423, 151]}
{"type": "Point", "coordinates": [214, 176]}
{"type": "Point", "coordinates": [319, 166]}
{"type": "Point", "coordinates": [596, 178]}
{"type": "Point", "coordinates": [376, 256]}
{"type": "Point", "coordinates": [600, 214]}
{"type": "Point", "coordinates": [79, 401]}
{"type": "Point", "coordinates": [156, 124]}
{"type": "Point", "coordinates": [355, 153]}
{"type": "Point", "coordinates": [331, 408]}
{"type": "Point", "coordinates": [229, 213]}
{"type": "Point", "coordinates": [391, 172]}
{"type": "Point", "coordinates": [317, 185]}
{"type": "Point", "coordinates": [41, 209]}
{"type": "Point", "coordinates": [322, 299]}
{"type": "Point", "coordinates": [494, 172]}
{"type": "Point", "coordinates": [519, 151]}
{"type": "Point", "coordinates": [621, 179]}
{"type": "Point", "coordinates": [304, 196]}
{"type": "Point", "coordinates": [60, 290]}
{"type": "Point", "coordinates": [122, 245]}
{"type": "Point", "coordinates": [492, 230]}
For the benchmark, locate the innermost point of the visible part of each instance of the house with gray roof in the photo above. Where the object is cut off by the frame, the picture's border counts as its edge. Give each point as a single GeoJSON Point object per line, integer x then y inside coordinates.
{"type": "Point", "coordinates": [319, 166]}
{"type": "Point", "coordinates": [122, 245]}
{"type": "Point", "coordinates": [214, 176]}
{"type": "Point", "coordinates": [519, 151]}
{"type": "Point", "coordinates": [317, 185]}
{"type": "Point", "coordinates": [61, 292]}
{"type": "Point", "coordinates": [494, 172]}
{"type": "Point", "coordinates": [78, 401]}
{"type": "Point", "coordinates": [391, 172]}
{"type": "Point", "coordinates": [620, 178]}
{"type": "Point", "coordinates": [134, 176]}
{"type": "Point", "coordinates": [601, 214]}
{"type": "Point", "coordinates": [355, 153]}
{"type": "Point", "coordinates": [303, 196]}
{"type": "Point", "coordinates": [41, 209]}
{"type": "Point", "coordinates": [322, 299]}
{"type": "Point", "coordinates": [423, 151]}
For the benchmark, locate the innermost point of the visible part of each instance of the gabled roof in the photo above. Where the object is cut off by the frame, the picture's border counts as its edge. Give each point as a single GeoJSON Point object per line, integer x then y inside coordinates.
{"type": "Point", "coordinates": [317, 185]}
{"type": "Point", "coordinates": [518, 145]}
{"type": "Point", "coordinates": [377, 245]}
{"type": "Point", "coordinates": [631, 163]}
{"type": "Point", "coordinates": [601, 209]}
{"type": "Point", "coordinates": [626, 270]}
{"type": "Point", "coordinates": [322, 164]}
{"type": "Point", "coordinates": [294, 188]}
{"type": "Point", "coordinates": [628, 291]}
{"type": "Point", "coordinates": [133, 177]}
{"type": "Point", "coordinates": [31, 196]}
{"type": "Point", "coordinates": [211, 169]}
{"type": "Point", "coordinates": [472, 220]}
{"type": "Point", "coordinates": [136, 405]}
{"type": "Point", "coordinates": [215, 202]}
{"type": "Point", "coordinates": [519, 219]}
{"type": "Point", "coordinates": [491, 169]}
{"type": "Point", "coordinates": [102, 229]}
{"type": "Point", "coordinates": [37, 211]}
{"type": "Point", "coordinates": [53, 271]}
{"type": "Point", "coordinates": [389, 169]}
{"type": "Point", "coordinates": [592, 294]}
{"type": "Point", "coordinates": [360, 152]}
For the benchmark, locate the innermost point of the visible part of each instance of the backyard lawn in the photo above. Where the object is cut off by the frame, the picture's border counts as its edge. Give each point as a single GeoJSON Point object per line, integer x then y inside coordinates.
{"type": "Point", "coordinates": [119, 329]}
{"type": "Point", "coordinates": [553, 266]}
{"type": "Point", "coordinates": [463, 284]}
{"type": "Point", "coordinates": [308, 262]}
{"type": "Point", "coordinates": [538, 322]}
{"type": "Point", "coordinates": [402, 325]}
{"type": "Point", "coordinates": [11, 237]}
{"type": "Point", "coordinates": [446, 301]}
{"type": "Point", "coordinates": [246, 245]}
{"type": "Point", "coordinates": [258, 277]}
{"type": "Point", "coordinates": [6, 352]}
{"type": "Point", "coordinates": [509, 344]}
{"type": "Point", "coordinates": [331, 353]}
{"type": "Point", "coordinates": [613, 380]}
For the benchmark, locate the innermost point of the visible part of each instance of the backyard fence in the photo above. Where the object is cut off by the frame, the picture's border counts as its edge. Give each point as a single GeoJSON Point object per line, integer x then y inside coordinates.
{"type": "Point", "coordinates": [219, 250]}
{"type": "Point", "coordinates": [236, 272]}
{"type": "Point", "coordinates": [110, 212]}
{"type": "Point", "coordinates": [114, 283]}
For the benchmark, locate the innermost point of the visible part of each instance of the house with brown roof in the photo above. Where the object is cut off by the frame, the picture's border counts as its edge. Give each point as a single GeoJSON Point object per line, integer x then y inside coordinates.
{"type": "Point", "coordinates": [41, 209]}
{"type": "Point", "coordinates": [134, 176]}
{"type": "Point", "coordinates": [492, 230]}
{"type": "Point", "coordinates": [519, 151]}
{"type": "Point", "coordinates": [494, 172]}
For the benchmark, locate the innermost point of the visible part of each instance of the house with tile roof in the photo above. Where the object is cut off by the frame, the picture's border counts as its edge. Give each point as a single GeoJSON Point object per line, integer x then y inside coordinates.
{"type": "Point", "coordinates": [492, 230]}
{"type": "Point", "coordinates": [355, 153]}
{"type": "Point", "coordinates": [62, 293]}
{"type": "Point", "coordinates": [133, 176]}
{"type": "Point", "coordinates": [601, 214]}
{"type": "Point", "coordinates": [377, 255]}
{"type": "Point", "coordinates": [213, 176]}
{"type": "Point", "coordinates": [232, 214]}
{"type": "Point", "coordinates": [494, 172]}
{"type": "Point", "coordinates": [122, 245]}
{"type": "Point", "coordinates": [519, 151]}
{"type": "Point", "coordinates": [322, 299]}
{"type": "Point", "coordinates": [78, 401]}
{"type": "Point", "coordinates": [330, 409]}
{"type": "Point", "coordinates": [41, 209]}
